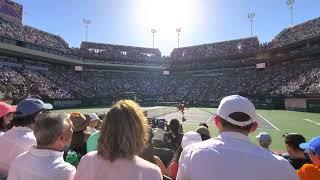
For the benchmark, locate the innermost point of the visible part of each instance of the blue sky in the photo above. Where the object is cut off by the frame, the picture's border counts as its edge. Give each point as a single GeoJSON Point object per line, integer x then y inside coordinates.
{"type": "Point", "coordinates": [128, 22]}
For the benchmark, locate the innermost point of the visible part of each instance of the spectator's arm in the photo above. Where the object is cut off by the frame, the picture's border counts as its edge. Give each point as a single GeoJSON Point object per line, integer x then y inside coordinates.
{"type": "Point", "coordinates": [160, 165]}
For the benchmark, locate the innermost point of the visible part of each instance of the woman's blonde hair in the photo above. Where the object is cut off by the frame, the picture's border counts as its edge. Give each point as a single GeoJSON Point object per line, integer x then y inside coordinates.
{"type": "Point", "coordinates": [124, 131]}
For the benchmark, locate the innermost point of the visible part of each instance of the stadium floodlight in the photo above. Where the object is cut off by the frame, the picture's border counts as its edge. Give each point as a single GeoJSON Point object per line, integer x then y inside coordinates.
{"type": "Point", "coordinates": [153, 31]}
{"type": "Point", "coordinates": [251, 17]}
{"type": "Point", "coordinates": [178, 30]}
{"type": "Point", "coordinates": [290, 4]}
{"type": "Point", "coordinates": [86, 23]}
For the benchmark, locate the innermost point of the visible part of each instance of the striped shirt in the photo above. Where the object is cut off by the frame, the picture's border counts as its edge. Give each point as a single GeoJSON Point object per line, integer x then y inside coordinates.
{"type": "Point", "coordinates": [41, 164]}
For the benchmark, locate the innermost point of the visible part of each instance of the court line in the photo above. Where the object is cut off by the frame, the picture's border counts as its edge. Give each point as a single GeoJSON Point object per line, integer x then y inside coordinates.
{"type": "Point", "coordinates": [269, 122]}
{"type": "Point", "coordinates": [312, 121]}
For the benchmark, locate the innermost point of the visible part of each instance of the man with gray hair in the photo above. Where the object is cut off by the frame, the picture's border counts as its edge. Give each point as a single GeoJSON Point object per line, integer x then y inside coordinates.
{"type": "Point", "coordinates": [264, 140]}
{"type": "Point", "coordinates": [53, 132]}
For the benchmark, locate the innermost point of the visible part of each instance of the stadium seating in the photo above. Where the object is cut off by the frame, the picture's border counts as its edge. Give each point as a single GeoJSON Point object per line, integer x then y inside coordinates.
{"type": "Point", "coordinates": [202, 73]}
{"type": "Point", "coordinates": [299, 78]}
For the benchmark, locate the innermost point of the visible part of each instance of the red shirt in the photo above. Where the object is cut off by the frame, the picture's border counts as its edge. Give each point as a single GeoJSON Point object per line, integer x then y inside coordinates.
{"type": "Point", "coordinates": [173, 169]}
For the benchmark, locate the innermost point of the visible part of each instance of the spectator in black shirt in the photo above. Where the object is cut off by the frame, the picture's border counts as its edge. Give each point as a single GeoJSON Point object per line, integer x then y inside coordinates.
{"type": "Point", "coordinates": [173, 138]}
{"type": "Point", "coordinates": [296, 156]}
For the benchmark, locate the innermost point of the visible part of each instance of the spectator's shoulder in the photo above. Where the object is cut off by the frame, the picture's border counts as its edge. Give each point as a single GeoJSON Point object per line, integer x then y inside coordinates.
{"type": "Point", "coordinates": [278, 157]}
{"type": "Point", "coordinates": [148, 167]}
{"type": "Point", "coordinates": [209, 144]}
{"type": "Point", "coordinates": [144, 164]}
{"type": "Point", "coordinates": [67, 168]}
{"type": "Point", "coordinates": [307, 167]}
{"type": "Point", "coordinates": [203, 148]}
{"type": "Point", "coordinates": [90, 155]}
{"type": "Point", "coordinates": [306, 170]}
{"type": "Point", "coordinates": [20, 159]}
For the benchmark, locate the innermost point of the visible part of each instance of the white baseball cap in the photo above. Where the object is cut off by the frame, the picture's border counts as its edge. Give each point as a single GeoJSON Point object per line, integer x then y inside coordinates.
{"type": "Point", "coordinates": [94, 117]}
{"type": "Point", "coordinates": [190, 138]}
{"type": "Point", "coordinates": [236, 103]}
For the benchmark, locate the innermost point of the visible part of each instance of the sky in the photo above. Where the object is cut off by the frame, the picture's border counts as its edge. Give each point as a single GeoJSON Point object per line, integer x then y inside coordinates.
{"type": "Point", "coordinates": [129, 22]}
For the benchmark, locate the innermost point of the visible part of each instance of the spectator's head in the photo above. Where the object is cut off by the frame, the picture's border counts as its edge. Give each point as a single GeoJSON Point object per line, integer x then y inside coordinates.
{"type": "Point", "coordinates": [292, 142]}
{"type": "Point", "coordinates": [80, 123]}
{"type": "Point", "coordinates": [237, 114]}
{"type": "Point", "coordinates": [313, 149]}
{"type": "Point", "coordinates": [53, 131]}
{"type": "Point", "coordinates": [204, 124]}
{"type": "Point", "coordinates": [264, 139]}
{"type": "Point", "coordinates": [190, 137]}
{"type": "Point", "coordinates": [161, 123]}
{"type": "Point", "coordinates": [27, 110]}
{"type": "Point", "coordinates": [174, 125]}
{"type": "Point", "coordinates": [94, 120]}
{"type": "Point", "coordinates": [6, 115]}
{"type": "Point", "coordinates": [124, 131]}
{"type": "Point", "coordinates": [204, 132]}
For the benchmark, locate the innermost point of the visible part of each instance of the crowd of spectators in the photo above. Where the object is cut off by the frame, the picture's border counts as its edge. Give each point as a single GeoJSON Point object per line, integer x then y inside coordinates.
{"type": "Point", "coordinates": [119, 54]}
{"type": "Point", "coordinates": [88, 52]}
{"type": "Point", "coordinates": [219, 49]}
{"type": "Point", "coordinates": [306, 30]}
{"type": "Point", "coordinates": [124, 144]}
{"type": "Point", "coordinates": [33, 35]}
{"type": "Point", "coordinates": [298, 78]}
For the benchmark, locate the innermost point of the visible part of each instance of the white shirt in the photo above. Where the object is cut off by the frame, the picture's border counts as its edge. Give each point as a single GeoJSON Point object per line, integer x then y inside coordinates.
{"type": "Point", "coordinates": [13, 143]}
{"type": "Point", "coordinates": [94, 167]}
{"type": "Point", "coordinates": [231, 156]}
{"type": "Point", "coordinates": [158, 133]}
{"type": "Point", "coordinates": [41, 164]}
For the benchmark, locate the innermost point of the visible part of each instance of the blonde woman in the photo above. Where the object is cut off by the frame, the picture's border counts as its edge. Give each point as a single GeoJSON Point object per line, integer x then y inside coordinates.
{"type": "Point", "coordinates": [124, 134]}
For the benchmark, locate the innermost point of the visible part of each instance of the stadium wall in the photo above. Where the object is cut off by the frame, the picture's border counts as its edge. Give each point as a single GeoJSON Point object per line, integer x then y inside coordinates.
{"type": "Point", "coordinates": [303, 104]}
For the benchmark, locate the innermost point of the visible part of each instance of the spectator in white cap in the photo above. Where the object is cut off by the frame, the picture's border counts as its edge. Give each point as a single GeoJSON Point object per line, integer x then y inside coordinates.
{"type": "Point", "coordinates": [188, 138]}
{"type": "Point", "coordinates": [94, 120]}
{"type": "Point", "coordinates": [20, 138]}
{"type": "Point", "coordinates": [231, 155]}
{"type": "Point", "coordinates": [264, 140]}
{"type": "Point", "coordinates": [6, 116]}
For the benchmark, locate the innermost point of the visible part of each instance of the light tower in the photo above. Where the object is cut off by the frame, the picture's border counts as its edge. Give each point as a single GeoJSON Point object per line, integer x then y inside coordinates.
{"type": "Point", "coordinates": [86, 23]}
{"type": "Point", "coordinates": [153, 31]}
{"type": "Point", "coordinates": [178, 30]}
{"type": "Point", "coordinates": [290, 4]}
{"type": "Point", "coordinates": [251, 17]}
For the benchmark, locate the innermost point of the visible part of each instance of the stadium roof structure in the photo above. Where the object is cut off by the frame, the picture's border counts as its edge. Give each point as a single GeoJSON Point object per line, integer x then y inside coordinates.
{"type": "Point", "coordinates": [104, 46]}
